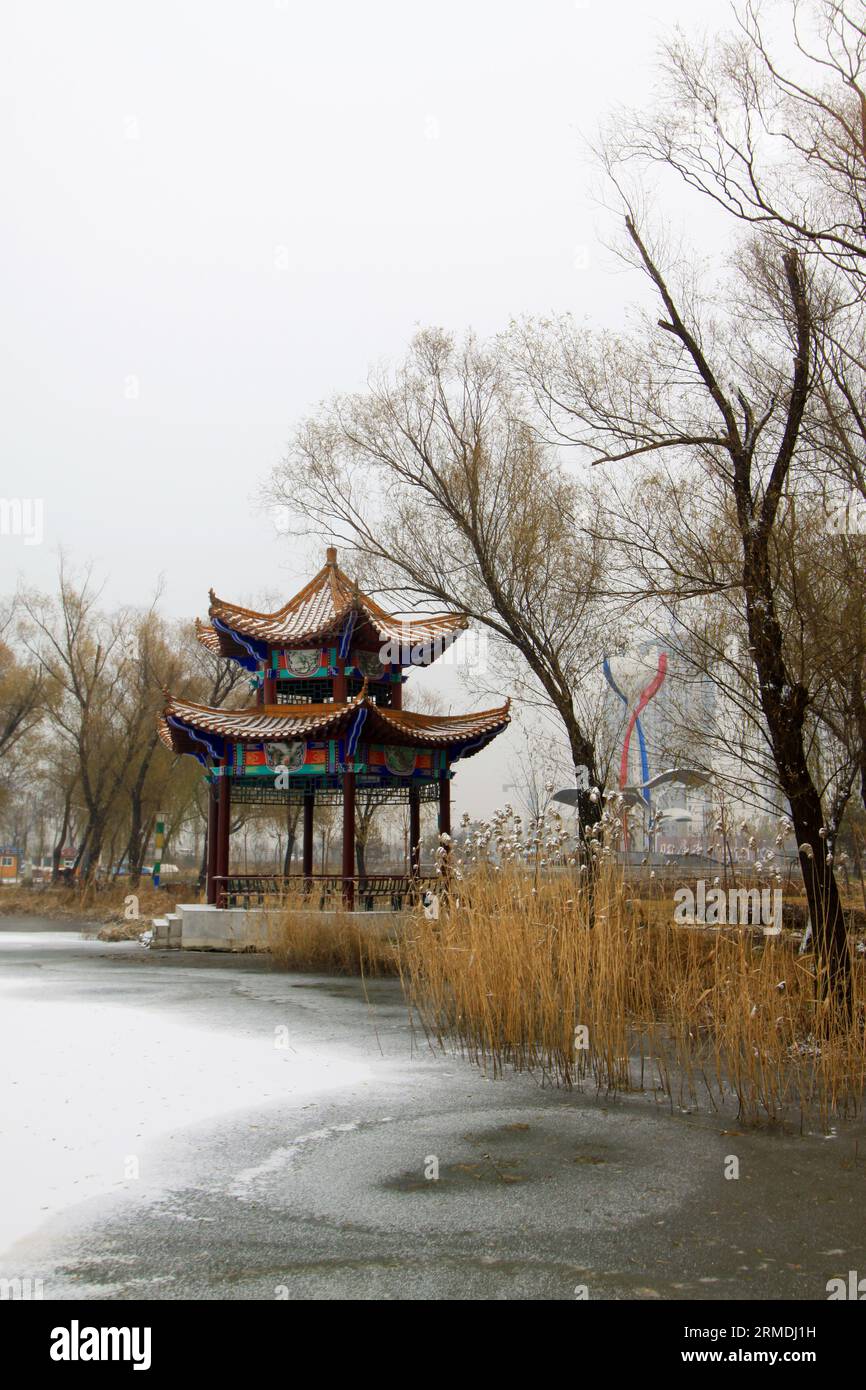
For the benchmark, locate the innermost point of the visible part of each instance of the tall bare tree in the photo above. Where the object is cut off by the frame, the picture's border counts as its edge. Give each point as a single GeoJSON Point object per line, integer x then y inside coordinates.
{"type": "Point", "coordinates": [721, 400]}
{"type": "Point", "coordinates": [443, 494]}
{"type": "Point", "coordinates": [82, 654]}
{"type": "Point", "coordinates": [22, 685]}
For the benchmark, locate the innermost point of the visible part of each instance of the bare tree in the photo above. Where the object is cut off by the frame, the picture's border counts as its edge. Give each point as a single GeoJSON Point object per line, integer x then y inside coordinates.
{"type": "Point", "coordinates": [773, 130]}
{"type": "Point", "coordinates": [444, 494]}
{"type": "Point", "coordinates": [81, 653]}
{"type": "Point", "coordinates": [22, 688]}
{"type": "Point", "coordinates": [734, 445]}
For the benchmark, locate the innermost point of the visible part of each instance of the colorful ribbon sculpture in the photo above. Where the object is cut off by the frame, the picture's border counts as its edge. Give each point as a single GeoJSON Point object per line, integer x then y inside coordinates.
{"type": "Point", "coordinates": [644, 694]}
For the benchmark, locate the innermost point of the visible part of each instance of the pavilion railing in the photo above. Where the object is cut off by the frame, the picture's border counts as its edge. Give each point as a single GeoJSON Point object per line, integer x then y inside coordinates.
{"type": "Point", "coordinates": [325, 892]}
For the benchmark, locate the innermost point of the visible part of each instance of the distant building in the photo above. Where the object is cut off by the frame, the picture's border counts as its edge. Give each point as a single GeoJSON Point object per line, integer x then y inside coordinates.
{"type": "Point", "coordinates": [9, 861]}
{"type": "Point", "coordinates": [42, 870]}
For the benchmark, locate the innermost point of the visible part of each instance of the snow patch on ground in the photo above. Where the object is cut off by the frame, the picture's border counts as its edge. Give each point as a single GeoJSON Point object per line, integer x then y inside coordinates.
{"type": "Point", "coordinates": [89, 1090]}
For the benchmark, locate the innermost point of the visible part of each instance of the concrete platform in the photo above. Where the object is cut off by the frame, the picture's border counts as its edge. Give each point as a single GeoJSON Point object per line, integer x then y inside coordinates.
{"type": "Point", "coordinates": [203, 927]}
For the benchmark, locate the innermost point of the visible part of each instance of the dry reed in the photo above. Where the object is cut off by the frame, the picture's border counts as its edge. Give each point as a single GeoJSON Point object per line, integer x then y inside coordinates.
{"type": "Point", "coordinates": [338, 943]}
{"type": "Point", "coordinates": [518, 971]}
{"type": "Point", "coordinates": [103, 904]}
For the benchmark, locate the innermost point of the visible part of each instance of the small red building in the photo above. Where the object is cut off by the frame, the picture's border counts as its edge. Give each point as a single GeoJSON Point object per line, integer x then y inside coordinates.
{"type": "Point", "coordinates": [9, 862]}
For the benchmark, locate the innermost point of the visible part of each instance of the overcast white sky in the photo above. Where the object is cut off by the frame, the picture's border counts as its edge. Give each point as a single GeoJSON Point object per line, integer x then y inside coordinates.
{"type": "Point", "coordinates": [218, 213]}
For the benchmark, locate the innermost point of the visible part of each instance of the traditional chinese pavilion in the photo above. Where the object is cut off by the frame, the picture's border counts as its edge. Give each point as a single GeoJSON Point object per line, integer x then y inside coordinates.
{"type": "Point", "coordinates": [328, 670]}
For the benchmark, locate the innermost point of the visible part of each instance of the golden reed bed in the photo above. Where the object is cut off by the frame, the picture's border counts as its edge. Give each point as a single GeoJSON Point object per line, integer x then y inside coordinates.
{"type": "Point", "coordinates": [518, 972]}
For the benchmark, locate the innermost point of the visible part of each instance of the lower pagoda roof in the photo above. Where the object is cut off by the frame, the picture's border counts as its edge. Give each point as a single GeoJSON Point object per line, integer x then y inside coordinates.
{"type": "Point", "coordinates": [186, 727]}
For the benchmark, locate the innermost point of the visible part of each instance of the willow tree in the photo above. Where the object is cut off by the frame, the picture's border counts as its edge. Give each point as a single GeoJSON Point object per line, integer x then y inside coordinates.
{"type": "Point", "coordinates": [83, 655]}
{"type": "Point", "coordinates": [445, 496]}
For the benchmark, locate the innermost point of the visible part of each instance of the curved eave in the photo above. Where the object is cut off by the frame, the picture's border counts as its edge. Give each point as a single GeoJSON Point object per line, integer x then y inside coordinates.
{"type": "Point", "coordinates": [208, 637]}
{"type": "Point", "coordinates": [163, 729]}
{"type": "Point", "coordinates": [221, 643]}
{"type": "Point", "coordinates": [188, 724]}
{"type": "Point", "coordinates": [433, 635]}
{"type": "Point", "coordinates": [464, 732]}
{"type": "Point", "coordinates": [186, 727]}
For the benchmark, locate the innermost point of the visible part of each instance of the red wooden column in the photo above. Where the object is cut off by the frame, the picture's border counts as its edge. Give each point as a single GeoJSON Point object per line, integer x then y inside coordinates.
{"type": "Point", "coordinates": [397, 689]}
{"type": "Point", "coordinates": [224, 817]}
{"type": "Point", "coordinates": [414, 831]}
{"type": "Point", "coordinates": [349, 841]}
{"type": "Point", "coordinates": [269, 684]}
{"type": "Point", "coordinates": [309, 807]}
{"type": "Point", "coordinates": [445, 815]}
{"type": "Point", "coordinates": [211, 841]}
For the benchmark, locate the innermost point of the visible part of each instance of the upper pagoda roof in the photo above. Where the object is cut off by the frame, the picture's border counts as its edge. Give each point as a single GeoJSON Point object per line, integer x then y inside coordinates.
{"type": "Point", "coordinates": [187, 727]}
{"type": "Point", "coordinates": [321, 609]}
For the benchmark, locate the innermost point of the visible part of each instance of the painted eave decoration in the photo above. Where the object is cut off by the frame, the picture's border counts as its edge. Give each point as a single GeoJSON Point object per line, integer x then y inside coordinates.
{"type": "Point", "coordinates": [186, 727]}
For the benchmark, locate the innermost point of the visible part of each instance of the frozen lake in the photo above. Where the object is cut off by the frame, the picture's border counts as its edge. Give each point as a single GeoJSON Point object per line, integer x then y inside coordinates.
{"type": "Point", "coordinates": [179, 1126]}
